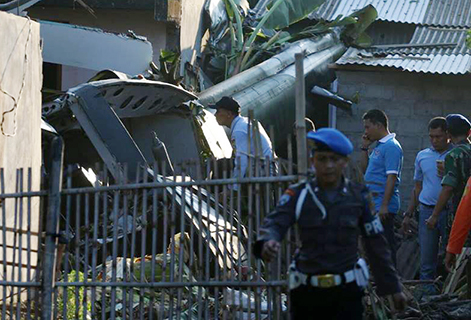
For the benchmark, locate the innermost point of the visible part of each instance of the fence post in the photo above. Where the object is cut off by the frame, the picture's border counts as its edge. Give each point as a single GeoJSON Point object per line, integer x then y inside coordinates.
{"type": "Point", "coordinates": [52, 227]}
{"type": "Point", "coordinates": [300, 115]}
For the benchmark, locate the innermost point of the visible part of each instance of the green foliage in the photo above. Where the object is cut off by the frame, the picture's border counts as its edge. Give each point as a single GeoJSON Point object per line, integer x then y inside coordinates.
{"type": "Point", "coordinates": [75, 307]}
{"type": "Point", "coordinates": [170, 67]}
{"type": "Point", "coordinates": [285, 12]}
{"type": "Point", "coordinates": [355, 34]}
{"type": "Point", "coordinates": [250, 45]}
{"type": "Point", "coordinates": [282, 13]}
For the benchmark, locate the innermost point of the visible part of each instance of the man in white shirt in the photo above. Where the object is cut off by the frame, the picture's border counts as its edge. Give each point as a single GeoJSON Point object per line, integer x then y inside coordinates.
{"type": "Point", "coordinates": [228, 114]}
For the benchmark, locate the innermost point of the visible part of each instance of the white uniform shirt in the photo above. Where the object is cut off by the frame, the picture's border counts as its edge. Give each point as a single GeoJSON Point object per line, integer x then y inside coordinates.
{"type": "Point", "coordinates": [239, 141]}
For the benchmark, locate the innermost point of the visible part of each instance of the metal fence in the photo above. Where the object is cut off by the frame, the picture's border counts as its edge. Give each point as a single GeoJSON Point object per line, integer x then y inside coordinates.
{"type": "Point", "coordinates": [156, 247]}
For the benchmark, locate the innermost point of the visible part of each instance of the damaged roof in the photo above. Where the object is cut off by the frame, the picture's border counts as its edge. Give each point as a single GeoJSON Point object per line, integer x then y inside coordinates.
{"type": "Point", "coordinates": [95, 49]}
{"type": "Point", "coordinates": [431, 50]}
{"type": "Point", "coordinates": [451, 13]}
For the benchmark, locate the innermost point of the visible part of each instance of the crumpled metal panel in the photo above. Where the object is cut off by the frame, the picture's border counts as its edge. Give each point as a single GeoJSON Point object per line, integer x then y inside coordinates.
{"type": "Point", "coordinates": [105, 130]}
{"type": "Point", "coordinates": [133, 98]}
{"type": "Point", "coordinates": [137, 98]}
{"type": "Point", "coordinates": [440, 64]}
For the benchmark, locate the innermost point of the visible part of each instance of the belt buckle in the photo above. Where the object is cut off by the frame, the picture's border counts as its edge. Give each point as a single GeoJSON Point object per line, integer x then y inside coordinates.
{"type": "Point", "coordinates": [326, 280]}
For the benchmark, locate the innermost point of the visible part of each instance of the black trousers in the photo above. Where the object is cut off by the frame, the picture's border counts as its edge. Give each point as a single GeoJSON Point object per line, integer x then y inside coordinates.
{"type": "Point", "coordinates": [388, 225]}
{"type": "Point", "coordinates": [343, 302]}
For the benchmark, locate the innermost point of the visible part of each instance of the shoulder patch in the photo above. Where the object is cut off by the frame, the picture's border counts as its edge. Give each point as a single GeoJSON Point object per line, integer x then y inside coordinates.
{"type": "Point", "coordinates": [284, 199]}
{"type": "Point", "coordinates": [290, 192]}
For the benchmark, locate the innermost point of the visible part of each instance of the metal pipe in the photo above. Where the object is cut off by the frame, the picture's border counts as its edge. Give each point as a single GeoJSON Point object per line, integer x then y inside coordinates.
{"type": "Point", "coordinates": [272, 99]}
{"type": "Point", "coordinates": [300, 116]}
{"type": "Point", "coordinates": [173, 184]}
{"type": "Point", "coordinates": [209, 284]}
{"type": "Point", "coordinates": [265, 69]}
{"type": "Point", "coordinates": [151, 185]}
{"type": "Point", "coordinates": [52, 226]}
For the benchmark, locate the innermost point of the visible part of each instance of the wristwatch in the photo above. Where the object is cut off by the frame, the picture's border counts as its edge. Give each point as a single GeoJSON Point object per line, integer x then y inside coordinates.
{"type": "Point", "coordinates": [364, 148]}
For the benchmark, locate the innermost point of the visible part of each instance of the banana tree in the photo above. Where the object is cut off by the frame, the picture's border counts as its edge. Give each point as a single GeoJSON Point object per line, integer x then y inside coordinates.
{"type": "Point", "coordinates": [280, 14]}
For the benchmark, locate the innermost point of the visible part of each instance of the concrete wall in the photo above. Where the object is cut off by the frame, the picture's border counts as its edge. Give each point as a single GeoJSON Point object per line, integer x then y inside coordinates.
{"type": "Point", "coordinates": [20, 139]}
{"type": "Point", "coordinates": [410, 100]}
{"type": "Point", "coordinates": [191, 32]}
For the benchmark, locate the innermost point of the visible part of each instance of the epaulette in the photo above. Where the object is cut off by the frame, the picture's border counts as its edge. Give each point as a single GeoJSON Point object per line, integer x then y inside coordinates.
{"type": "Point", "coordinates": [296, 185]}
{"type": "Point", "coordinates": [294, 189]}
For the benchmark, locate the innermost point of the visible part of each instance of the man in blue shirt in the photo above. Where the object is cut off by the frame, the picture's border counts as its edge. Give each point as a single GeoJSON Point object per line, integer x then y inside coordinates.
{"type": "Point", "coordinates": [228, 114]}
{"type": "Point", "coordinates": [425, 195]}
{"type": "Point", "coordinates": [382, 167]}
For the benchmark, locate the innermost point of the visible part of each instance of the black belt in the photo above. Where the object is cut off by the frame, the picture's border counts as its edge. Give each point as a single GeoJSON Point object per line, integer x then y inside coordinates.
{"type": "Point", "coordinates": [427, 206]}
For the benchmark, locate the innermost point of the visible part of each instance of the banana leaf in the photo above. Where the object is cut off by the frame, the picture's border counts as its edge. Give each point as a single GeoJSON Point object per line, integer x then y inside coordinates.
{"type": "Point", "coordinates": [243, 4]}
{"type": "Point", "coordinates": [355, 34]}
{"type": "Point", "coordinates": [285, 12]}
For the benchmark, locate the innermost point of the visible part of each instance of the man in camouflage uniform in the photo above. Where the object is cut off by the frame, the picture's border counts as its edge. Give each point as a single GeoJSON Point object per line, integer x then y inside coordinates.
{"type": "Point", "coordinates": [457, 169]}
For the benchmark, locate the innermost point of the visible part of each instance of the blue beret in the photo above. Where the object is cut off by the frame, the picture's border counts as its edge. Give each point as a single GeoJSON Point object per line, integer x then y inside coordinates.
{"type": "Point", "coordinates": [457, 120]}
{"type": "Point", "coordinates": [332, 139]}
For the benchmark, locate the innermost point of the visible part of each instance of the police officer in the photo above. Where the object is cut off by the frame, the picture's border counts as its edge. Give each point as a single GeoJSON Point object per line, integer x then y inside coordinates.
{"type": "Point", "coordinates": [327, 277]}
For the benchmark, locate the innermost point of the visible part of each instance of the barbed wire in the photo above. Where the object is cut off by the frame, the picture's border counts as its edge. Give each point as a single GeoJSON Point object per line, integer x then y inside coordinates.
{"type": "Point", "coordinates": [23, 82]}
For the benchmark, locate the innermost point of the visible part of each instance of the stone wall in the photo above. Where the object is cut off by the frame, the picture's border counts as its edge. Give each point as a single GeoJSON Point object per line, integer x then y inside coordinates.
{"type": "Point", "coordinates": [410, 100]}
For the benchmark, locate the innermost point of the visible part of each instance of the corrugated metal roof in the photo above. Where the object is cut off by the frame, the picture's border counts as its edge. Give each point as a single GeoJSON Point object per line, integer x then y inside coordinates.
{"type": "Point", "coordinates": [431, 50]}
{"type": "Point", "coordinates": [384, 32]}
{"type": "Point", "coordinates": [456, 13]}
{"type": "Point", "coordinates": [433, 40]}
{"type": "Point", "coordinates": [441, 64]}
{"type": "Point", "coordinates": [406, 11]}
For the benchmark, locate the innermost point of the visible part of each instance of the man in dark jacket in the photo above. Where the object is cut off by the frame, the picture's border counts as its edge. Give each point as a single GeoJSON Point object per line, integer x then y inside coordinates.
{"type": "Point", "coordinates": [327, 277]}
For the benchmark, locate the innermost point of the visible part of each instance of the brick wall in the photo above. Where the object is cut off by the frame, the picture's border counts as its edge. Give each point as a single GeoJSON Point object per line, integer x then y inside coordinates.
{"type": "Point", "coordinates": [410, 100]}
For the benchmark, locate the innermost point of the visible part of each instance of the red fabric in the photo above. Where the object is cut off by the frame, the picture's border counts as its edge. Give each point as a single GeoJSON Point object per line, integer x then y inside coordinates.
{"type": "Point", "coordinates": [461, 223]}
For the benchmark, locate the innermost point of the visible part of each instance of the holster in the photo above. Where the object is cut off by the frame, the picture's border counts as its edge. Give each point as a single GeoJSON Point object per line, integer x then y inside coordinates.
{"type": "Point", "coordinates": [295, 278]}
{"type": "Point", "coordinates": [362, 274]}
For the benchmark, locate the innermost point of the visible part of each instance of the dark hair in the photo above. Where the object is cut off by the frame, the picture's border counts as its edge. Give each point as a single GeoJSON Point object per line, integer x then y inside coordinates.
{"type": "Point", "coordinates": [457, 125]}
{"type": "Point", "coordinates": [227, 103]}
{"type": "Point", "coordinates": [438, 122]}
{"type": "Point", "coordinates": [458, 130]}
{"type": "Point", "coordinates": [376, 116]}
